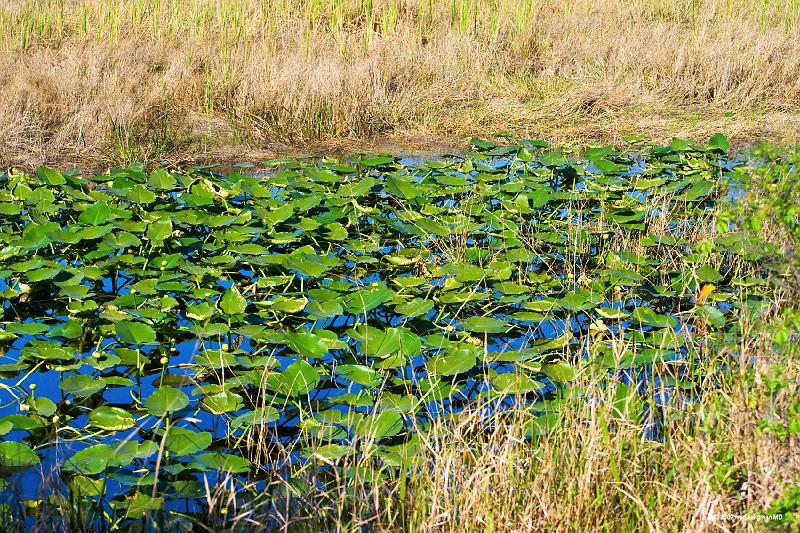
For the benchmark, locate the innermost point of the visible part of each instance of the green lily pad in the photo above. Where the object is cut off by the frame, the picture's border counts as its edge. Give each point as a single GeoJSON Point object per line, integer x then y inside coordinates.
{"type": "Point", "coordinates": [183, 441]}
{"type": "Point", "coordinates": [111, 418]}
{"type": "Point", "coordinates": [165, 400]}
{"type": "Point", "coordinates": [135, 332]}
{"type": "Point", "coordinates": [485, 325]}
{"type": "Point", "coordinates": [17, 455]}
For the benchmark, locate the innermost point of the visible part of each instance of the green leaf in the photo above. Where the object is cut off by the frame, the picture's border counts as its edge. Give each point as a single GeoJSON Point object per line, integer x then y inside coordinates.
{"type": "Point", "coordinates": [261, 416]}
{"type": "Point", "coordinates": [719, 143]}
{"type": "Point", "coordinates": [559, 372]}
{"type": "Point", "coordinates": [222, 402]}
{"type": "Point", "coordinates": [159, 230]}
{"type": "Point", "coordinates": [360, 374]}
{"type": "Point", "coordinates": [44, 406]}
{"type": "Point", "coordinates": [17, 455]}
{"type": "Point", "coordinates": [309, 264]}
{"type": "Point", "coordinates": [710, 314]}
{"type": "Point", "coordinates": [648, 316]}
{"type": "Point", "coordinates": [515, 384]}
{"type": "Point", "coordinates": [21, 422]}
{"type": "Point", "coordinates": [298, 378]}
{"type": "Point", "coordinates": [364, 301]}
{"type": "Point", "coordinates": [223, 462]}
{"type": "Point", "coordinates": [332, 452]}
{"type": "Point", "coordinates": [82, 385]}
{"type": "Point", "coordinates": [481, 324]}
{"type": "Point", "coordinates": [50, 176]}
{"type": "Point", "coordinates": [612, 313]}
{"type": "Point", "coordinates": [481, 145]}
{"type": "Point", "coordinates": [385, 424]}
{"type": "Point", "coordinates": [456, 362]}
{"type": "Point", "coordinates": [202, 311]}
{"type": "Point", "coordinates": [403, 188]}
{"type": "Point", "coordinates": [679, 145]}
{"type": "Point", "coordinates": [97, 214]}
{"type": "Point", "coordinates": [414, 307]}
{"type": "Point", "coordinates": [138, 505]}
{"type": "Point", "coordinates": [232, 302]}
{"type": "Point", "coordinates": [111, 418]}
{"type": "Point", "coordinates": [165, 400]}
{"type": "Point", "coordinates": [138, 194]}
{"type": "Point", "coordinates": [552, 159]}
{"type": "Point", "coordinates": [378, 160]}
{"type": "Point", "coordinates": [161, 179]}
{"type": "Point", "coordinates": [92, 460]}
{"type": "Point", "coordinates": [708, 274]}
{"type": "Point", "coordinates": [135, 332]}
{"type": "Point", "coordinates": [306, 344]}
{"type": "Point", "coordinates": [183, 441]}
{"type": "Point", "coordinates": [627, 403]}
{"type": "Point", "coordinates": [579, 301]}
{"type": "Point", "coordinates": [544, 424]}
{"type": "Point", "coordinates": [508, 287]}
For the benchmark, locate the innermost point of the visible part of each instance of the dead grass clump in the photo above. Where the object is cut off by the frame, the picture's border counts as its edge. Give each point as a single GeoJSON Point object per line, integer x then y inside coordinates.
{"type": "Point", "coordinates": [295, 72]}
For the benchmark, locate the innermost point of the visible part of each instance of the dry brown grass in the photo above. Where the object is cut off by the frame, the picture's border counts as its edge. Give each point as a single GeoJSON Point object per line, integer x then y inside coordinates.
{"type": "Point", "coordinates": [159, 79]}
{"type": "Point", "coordinates": [592, 474]}
{"type": "Point", "coordinates": [595, 471]}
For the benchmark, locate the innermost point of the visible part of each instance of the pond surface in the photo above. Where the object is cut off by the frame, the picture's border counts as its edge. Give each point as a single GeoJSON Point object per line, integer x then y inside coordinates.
{"type": "Point", "coordinates": [165, 330]}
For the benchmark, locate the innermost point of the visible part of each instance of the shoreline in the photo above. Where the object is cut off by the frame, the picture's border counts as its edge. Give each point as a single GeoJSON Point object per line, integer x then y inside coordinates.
{"type": "Point", "coordinates": [775, 128]}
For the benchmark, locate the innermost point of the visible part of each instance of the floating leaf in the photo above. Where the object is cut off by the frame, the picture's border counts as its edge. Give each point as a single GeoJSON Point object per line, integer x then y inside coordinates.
{"type": "Point", "coordinates": [50, 176]}
{"type": "Point", "coordinates": [719, 142]}
{"type": "Point", "coordinates": [111, 418]}
{"type": "Point", "coordinates": [648, 316]}
{"type": "Point", "coordinates": [92, 460]}
{"type": "Point", "coordinates": [384, 424]}
{"type": "Point", "coordinates": [360, 374]}
{"type": "Point", "coordinates": [480, 324]}
{"type": "Point", "coordinates": [298, 378]}
{"type": "Point", "coordinates": [82, 385]}
{"type": "Point", "coordinates": [165, 400]}
{"type": "Point", "coordinates": [223, 462]}
{"type": "Point", "coordinates": [161, 179]}
{"type": "Point", "coordinates": [332, 452]}
{"type": "Point", "coordinates": [306, 344]}
{"type": "Point", "coordinates": [17, 455]}
{"type": "Point", "coordinates": [414, 307]}
{"type": "Point", "coordinates": [515, 384]}
{"type": "Point", "coordinates": [232, 302]}
{"type": "Point", "coordinates": [222, 402]}
{"type": "Point", "coordinates": [183, 441]}
{"type": "Point", "coordinates": [96, 214]}
{"type": "Point", "coordinates": [135, 332]}
{"type": "Point", "coordinates": [159, 230]}
{"type": "Point", "coordinates": [455, 362]}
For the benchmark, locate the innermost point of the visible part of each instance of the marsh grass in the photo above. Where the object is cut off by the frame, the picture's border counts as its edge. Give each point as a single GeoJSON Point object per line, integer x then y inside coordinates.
{"type": "Point", "coordinates": [724, 447]}
{"type": "Point", "coordinates": [595, 471]}
{"type": "Point", "coordinates": [97, 80]}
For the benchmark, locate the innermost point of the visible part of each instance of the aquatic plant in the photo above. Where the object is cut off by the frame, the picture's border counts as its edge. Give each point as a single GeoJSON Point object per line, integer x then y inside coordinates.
{"type": "Point", "coordinates": [312, 324]}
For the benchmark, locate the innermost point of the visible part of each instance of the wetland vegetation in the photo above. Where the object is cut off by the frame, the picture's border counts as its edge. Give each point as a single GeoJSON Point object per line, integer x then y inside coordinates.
{"type": "Point", "coordinates": [517, 337]}
{"type": "Point", "coordinates": [399, 265]}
